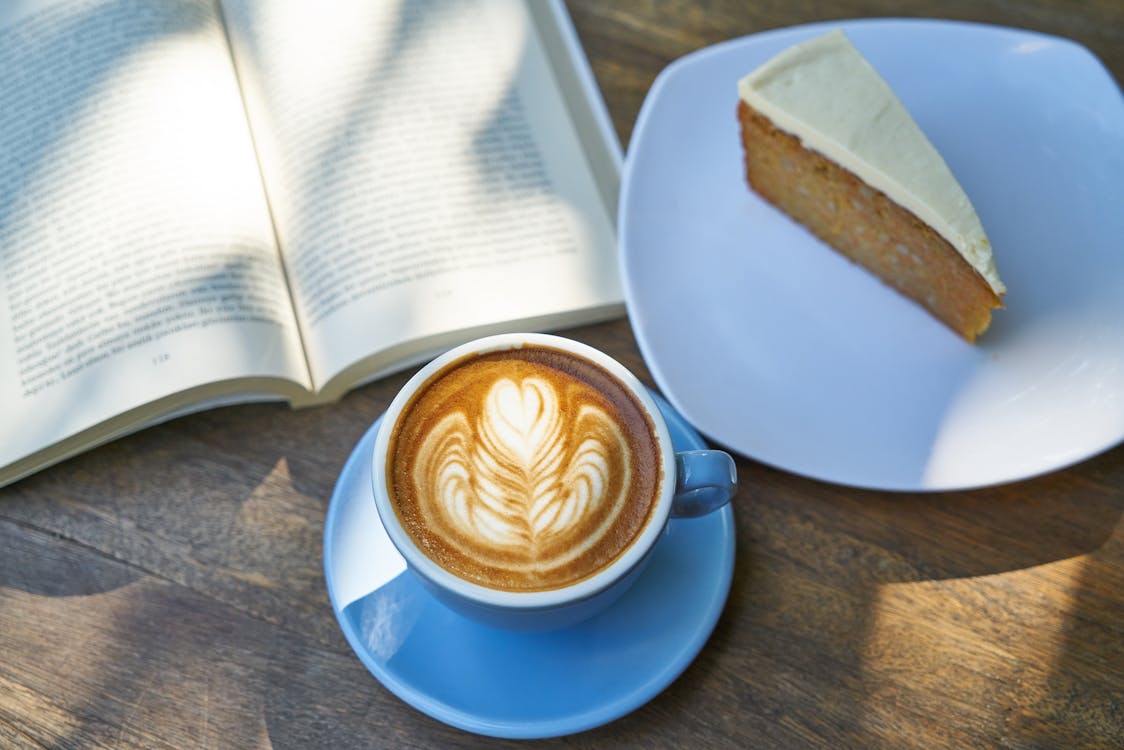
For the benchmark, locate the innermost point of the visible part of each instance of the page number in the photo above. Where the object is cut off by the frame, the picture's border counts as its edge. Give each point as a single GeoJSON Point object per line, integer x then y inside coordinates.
{"type": "Point", "coordinates": [161, 358]}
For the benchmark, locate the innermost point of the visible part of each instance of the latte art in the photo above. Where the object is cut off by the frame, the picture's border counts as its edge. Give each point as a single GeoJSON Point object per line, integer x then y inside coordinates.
{"type": "Point", "coordinates": [520, 471]}
{"type": "Point", "coordinates": [520, 477]}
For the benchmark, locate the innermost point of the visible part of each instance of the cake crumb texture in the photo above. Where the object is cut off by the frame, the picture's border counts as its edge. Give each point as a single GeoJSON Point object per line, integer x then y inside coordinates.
{"type": "Point", "coordinates": [863, 224]}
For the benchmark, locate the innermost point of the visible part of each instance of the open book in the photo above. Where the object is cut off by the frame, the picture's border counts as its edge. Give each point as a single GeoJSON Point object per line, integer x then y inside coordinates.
{"type": "Point", "coordinates": [208, 201]}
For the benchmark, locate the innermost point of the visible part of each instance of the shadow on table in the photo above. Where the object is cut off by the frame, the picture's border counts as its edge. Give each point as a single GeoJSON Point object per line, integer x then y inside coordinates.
{"type": "Point", "coordinates": [903, 599]}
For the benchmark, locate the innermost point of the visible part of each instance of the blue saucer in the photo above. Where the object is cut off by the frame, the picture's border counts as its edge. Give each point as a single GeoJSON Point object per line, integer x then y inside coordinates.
{"type": "Point", "coordinates": [523, 685]}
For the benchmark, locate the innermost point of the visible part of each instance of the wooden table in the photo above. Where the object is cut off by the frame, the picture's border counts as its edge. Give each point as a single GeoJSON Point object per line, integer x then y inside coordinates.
{"type": "Point", "coordinates": [167, 590]}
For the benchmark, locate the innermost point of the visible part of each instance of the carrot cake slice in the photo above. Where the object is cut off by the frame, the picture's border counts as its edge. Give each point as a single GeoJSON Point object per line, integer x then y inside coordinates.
{"type": "Point", "coordinates": [829, 143]}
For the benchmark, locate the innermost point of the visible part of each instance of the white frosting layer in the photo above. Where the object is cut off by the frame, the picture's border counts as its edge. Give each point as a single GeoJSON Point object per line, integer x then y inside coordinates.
{"type": "Point", "coordinates": [826, 94]}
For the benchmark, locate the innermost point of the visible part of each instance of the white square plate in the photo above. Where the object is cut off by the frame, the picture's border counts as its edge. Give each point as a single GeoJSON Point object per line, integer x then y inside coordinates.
{"type": "Point", "coordinates": [775, 346]}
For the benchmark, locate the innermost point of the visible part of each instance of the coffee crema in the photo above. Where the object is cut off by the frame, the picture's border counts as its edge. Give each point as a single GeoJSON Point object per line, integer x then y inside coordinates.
{"type": "Point", "coordinates": [526, 469]}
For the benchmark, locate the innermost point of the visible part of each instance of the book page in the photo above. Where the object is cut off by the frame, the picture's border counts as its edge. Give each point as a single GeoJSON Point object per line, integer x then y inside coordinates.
{"type": "Point", "coordinates": [137, 257]}
{"type": "Point", "coordinates": [424, 176]}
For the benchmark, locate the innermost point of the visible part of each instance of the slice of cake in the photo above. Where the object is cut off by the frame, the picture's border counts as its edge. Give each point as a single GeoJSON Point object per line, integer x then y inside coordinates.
{"type": "Point", "coordinates": [828, 142]}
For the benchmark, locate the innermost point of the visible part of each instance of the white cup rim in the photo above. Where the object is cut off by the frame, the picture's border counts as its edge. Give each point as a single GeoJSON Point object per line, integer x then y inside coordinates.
{"type": "Point", "coordinates": [524, 600]}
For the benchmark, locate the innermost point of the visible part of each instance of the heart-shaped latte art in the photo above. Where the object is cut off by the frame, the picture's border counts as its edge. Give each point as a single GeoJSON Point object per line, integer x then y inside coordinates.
{"type": "Point", "coordinates": [533, 479]}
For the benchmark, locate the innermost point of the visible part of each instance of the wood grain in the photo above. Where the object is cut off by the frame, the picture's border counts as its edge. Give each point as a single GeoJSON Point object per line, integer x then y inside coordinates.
{"type": "Point", "coordinates": [166, 590]}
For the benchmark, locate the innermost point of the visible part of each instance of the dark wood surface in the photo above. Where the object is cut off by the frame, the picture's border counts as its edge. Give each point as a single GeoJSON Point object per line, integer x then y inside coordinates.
{"type": "Point", "coordinates": [166, 590]}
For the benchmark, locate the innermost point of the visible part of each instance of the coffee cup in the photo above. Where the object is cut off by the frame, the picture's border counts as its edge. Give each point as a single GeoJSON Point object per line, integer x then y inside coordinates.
{"type": "Point", "coordinates": [525, 478]}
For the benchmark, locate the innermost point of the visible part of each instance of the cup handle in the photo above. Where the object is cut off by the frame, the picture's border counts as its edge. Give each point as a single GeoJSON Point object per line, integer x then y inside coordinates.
{"type": "Point", "coordinates": [705, 481]}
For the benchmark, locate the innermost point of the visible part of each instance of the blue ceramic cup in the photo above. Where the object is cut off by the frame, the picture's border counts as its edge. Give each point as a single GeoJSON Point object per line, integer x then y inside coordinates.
{"type": "Point", "coordinates": [689, 484]}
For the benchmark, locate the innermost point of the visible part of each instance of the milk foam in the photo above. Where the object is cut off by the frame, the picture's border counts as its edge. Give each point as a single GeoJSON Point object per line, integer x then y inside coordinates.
{"type": "Point", "coordinates": [523, 472]}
